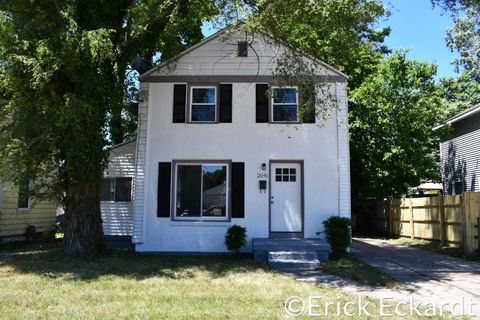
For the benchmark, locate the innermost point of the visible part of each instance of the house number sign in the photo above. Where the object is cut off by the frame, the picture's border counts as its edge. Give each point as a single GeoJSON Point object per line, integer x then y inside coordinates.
{"type": "Point", "coordinates": [262, 175]}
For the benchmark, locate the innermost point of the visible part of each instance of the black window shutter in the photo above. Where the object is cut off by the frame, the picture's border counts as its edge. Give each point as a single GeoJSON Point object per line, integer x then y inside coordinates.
{"type": "Point", "coordinates": [261, 103]}
{"type": "Point", "coordinates": [308, 103]}
{"type": "Point", "coordinates": [225, 103]}
{"type": "Point", "coordinates": [179, 102]}
{"type": "Point", "coordinates": [163, 197]}
{"type": "Point", "coordinates": [238, 189]}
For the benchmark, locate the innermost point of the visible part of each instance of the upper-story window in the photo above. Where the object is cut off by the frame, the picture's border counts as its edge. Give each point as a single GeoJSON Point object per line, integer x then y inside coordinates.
{"type": "Point", "coordinates": [203, 104]}
{"type": "Point", "coordinates": [285, 104]}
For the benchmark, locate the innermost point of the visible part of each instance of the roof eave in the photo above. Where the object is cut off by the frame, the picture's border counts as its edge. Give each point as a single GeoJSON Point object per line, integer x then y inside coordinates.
{"type": "Point", "coordinates": [462, 115]}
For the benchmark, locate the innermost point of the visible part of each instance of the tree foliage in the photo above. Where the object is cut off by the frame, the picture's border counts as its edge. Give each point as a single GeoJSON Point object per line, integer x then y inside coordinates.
{"type": "Point", "coordinates": [62, 83]}
{"type": "Point", "coordinates": [342, 33]}
{"type": "Point", "coordinates": [458, 94]}
{"type": "Point", "coordinates": [464, 37]}
{"type": "Point", "coordinates": [393, 146]}
{"type": "Point", "coordinates": [67, 68]}
{"type": "Point", "coordinates": [457, 6]}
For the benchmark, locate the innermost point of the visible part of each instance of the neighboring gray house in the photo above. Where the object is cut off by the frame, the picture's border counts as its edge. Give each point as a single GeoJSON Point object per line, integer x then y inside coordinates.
{"type": "Point", "coordinates": [116, 195]}
{"type": "Point", "coordinates": [460, 154]}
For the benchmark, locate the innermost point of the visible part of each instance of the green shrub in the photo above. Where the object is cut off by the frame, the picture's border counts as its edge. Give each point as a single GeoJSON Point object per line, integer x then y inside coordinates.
{"type": "Point", "coordinates": [235, 238]}
{"type": "Point", "coordinates": [337, 230]}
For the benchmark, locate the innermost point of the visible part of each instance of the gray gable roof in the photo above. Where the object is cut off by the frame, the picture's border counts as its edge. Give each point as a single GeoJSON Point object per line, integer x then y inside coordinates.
{"type": "Point", "coordinates": [222, 32]}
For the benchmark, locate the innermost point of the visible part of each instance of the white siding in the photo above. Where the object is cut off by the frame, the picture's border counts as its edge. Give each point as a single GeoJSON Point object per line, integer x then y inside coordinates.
{"type": "Point", "coordinates": [243, 140]}
{"type": "Point", "coordinates": [139, 184]}
{"type": "Point", "coordinates": [322, 148]}
{"type": "Point", "coordinates": [343, 151]}
{"type": "Point", "coordinates": [118, 216]}
{"type": "Point", "coordinates": [218, 56]}
{"type": "Point", "coordinates": [121, 161]}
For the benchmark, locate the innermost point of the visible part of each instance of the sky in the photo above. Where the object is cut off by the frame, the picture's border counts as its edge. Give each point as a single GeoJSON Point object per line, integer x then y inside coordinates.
{"type": "Point", "coordinates": [421, 29]}
{"type": "Point", "coordinates": [418, 27]}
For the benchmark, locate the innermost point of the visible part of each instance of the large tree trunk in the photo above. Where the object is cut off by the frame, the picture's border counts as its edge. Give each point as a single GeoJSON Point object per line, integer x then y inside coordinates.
{"type": "Point", "coordinates": [83, 221]}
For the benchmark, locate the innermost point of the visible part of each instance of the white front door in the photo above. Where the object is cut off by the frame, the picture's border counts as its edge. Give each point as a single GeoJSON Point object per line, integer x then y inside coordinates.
{"type": "Point", "coordinates": [285, 197]}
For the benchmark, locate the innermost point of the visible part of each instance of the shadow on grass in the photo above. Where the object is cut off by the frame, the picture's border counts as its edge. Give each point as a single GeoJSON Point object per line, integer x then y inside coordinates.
{"type": "Point", "coordinates": [47, 259]}
{"type": "Point", "coordinates": [350, 268]}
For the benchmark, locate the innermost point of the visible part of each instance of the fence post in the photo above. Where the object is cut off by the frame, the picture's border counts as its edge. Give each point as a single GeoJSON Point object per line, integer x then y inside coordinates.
{"type": "Point", "coordinates": [412, 231]}
{"type": "Point", "coordinates": [478, 233]}
{"type": "Point", "coordinates": [464, 223]}
{"type": "Point", "coordinates": [441, 212]}
{"type": "Point", "coordinates": [390, 215]}
{"type": "Point", "coordinates": [471, 210]}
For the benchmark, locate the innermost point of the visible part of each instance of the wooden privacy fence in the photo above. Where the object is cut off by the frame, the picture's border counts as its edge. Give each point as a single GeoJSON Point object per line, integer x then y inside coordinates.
{"type": "Point", "coordinates": [452, 220]}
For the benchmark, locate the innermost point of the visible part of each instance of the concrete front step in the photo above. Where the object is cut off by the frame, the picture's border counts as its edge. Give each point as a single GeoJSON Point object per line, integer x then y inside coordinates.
{"type": "Point", "coordinates": [293, 260]}
{"type": "Point", "coordinates": [290, 244]}
{"type": "Point", "coordinates": [265, 248]}
{"type": "Point", "coordinates": [292, 255]}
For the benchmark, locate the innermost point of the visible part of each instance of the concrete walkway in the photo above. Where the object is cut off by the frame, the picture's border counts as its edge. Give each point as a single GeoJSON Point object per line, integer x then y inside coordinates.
{"type": "Point", "coordinates": [427, 277]}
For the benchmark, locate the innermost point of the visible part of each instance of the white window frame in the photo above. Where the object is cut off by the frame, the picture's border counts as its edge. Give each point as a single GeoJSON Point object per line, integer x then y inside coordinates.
{"type": "Point", "coordinates": [204, 104]}
{"type": "Point", "coordinates": [201, 217]}
{"type": "Point", "coordinates": [273, 104]}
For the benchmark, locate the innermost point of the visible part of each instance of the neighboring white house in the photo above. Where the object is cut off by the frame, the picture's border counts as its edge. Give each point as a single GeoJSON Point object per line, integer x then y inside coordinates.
{"type": "Point", "coordinates": [116, 195]}
{"type": "Point", "coordinates": [214, 150]}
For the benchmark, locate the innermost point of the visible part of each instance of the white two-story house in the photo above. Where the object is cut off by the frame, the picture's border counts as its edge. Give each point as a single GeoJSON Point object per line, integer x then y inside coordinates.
{"type": "Point", "coordinates": [215, 149]}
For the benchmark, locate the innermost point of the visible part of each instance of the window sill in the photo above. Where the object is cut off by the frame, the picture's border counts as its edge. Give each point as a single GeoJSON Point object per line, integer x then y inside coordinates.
{"type": "Point", "coordinates": [202, 223]}
{"type": "Point", "coordinates": [24, 209]}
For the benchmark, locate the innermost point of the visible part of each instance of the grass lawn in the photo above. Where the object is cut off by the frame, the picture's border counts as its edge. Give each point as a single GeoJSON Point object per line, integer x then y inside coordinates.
{"type": "Point", "coordinates": [351, 268]}
{"type": "Point", "coordinates": [36, 282]}
{"type": "Point", "coordinates": [434, 247]}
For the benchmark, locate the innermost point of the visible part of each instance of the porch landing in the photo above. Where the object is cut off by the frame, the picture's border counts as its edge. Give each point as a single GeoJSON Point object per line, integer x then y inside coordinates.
{"type": "Point", "coordinates": [291, 254]}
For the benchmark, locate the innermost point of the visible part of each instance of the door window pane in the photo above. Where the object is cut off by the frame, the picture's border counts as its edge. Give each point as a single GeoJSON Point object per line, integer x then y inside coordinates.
{"type": "Point", "coordinates": [189, 188]}
{"type": "Point", "coordinates": [286, 175]}
{"type": "Point", "coordinates": [214, 190]}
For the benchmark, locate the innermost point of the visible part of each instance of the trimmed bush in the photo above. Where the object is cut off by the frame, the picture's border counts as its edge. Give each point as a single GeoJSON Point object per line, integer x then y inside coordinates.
{"type": "Point", "coordinates": [337, 230]}
{"type": "Point", "coordinates": [235, 238]}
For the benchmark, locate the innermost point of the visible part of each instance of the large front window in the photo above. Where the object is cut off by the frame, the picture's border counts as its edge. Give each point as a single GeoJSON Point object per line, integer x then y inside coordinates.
{"type": "Point", "coordinates": [203, 104]}
{"type": "Point", "coordinates": [201, 191]}
{"type": "Point", "coordinates": [284, 104]}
